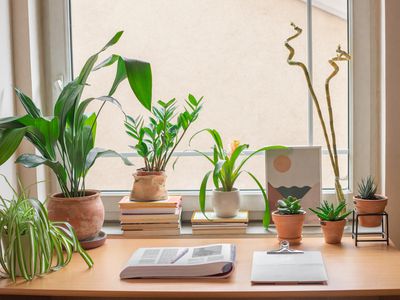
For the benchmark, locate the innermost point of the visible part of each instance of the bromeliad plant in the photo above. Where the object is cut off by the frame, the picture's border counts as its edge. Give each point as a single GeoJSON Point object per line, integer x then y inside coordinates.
{"type": "Point", "coordinates": [66, 140]}
{"type": "Point", "coordinates": [227, 169]}
{"type": "Point", "coordinates": [157, 141]}
{"type": "Point", "coordinates": [329, 212]}
{"type": "Point", "coordinates": [31, 244]}
{"type": "Point", "coordinates": [290, 206]}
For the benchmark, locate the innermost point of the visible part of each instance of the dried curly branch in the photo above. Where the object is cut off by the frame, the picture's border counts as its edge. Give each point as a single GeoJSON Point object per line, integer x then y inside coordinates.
{"type": "Point", "coordinates": [330, 140]}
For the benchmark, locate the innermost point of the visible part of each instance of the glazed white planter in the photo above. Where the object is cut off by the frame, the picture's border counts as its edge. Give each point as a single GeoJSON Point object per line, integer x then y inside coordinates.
{"type": "Point", "coordinates": [226, 204]}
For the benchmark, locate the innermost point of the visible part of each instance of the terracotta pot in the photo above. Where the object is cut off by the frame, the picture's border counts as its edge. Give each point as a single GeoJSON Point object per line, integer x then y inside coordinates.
{"type": "Point", "coordinates": [149, 186]}
{"type": "Point", "coordinates": [226, 204]}
{"type": "Point", "coordinates": [366, 206]}
{"type": "Point", "coordinates": [289, 227]}
{"type": "Point", "coordinates": [85, 214]}
{"type": "Point", "coordinates": [333, 231]}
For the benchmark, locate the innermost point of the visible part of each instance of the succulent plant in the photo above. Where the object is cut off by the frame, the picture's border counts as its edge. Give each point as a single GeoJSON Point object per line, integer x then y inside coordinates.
{"type": "Point", "coordinates": [367, 188]}
{"type": "Point", "coordinates": [290, 206]}
{"type": "Point", "coordinates": [328, 211]}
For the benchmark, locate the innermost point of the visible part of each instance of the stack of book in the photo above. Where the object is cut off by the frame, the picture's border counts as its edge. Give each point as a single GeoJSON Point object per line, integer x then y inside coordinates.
{"type": "Point", "coordinates": [214, 225]}
{"type": "Point", "coordinates": [150, 218]}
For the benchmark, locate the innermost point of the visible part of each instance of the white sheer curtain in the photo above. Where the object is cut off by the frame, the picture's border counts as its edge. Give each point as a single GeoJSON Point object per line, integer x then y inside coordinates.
{"type": "Point", "coordinates": [22, 64]}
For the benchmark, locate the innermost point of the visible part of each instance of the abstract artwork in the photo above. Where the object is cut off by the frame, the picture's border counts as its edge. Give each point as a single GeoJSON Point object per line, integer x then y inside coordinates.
{"type": "Point", "coordinates": [295, 171]}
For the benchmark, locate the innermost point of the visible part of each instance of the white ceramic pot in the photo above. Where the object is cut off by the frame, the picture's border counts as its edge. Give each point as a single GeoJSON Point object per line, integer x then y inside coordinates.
{"type": "Point", "coordinates": [226, 204]}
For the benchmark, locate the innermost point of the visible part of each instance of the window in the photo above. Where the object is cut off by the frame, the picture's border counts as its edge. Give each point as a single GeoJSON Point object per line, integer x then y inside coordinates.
{"type": "Point", "coordinates": [230, 52]}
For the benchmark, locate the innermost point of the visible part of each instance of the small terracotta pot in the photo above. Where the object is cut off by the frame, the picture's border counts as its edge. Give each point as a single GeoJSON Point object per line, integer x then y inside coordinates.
{"type": "Point", "coordinates": [366, 206]}
{"type": "Point", "coordinates": [226, 204]}
{"type": "Point", "coordinates": [289, 227]}
{"type": "Point", "coordinates": [85, 214]}
{"type": "Point", "coordinates": [333, 231]}
{"type": "Point", "coordinates": [149, 186]}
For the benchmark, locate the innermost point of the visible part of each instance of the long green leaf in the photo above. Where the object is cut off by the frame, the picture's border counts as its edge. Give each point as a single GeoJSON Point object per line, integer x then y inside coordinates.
{"type": "Point", "coordinates": [267, 212]}
{"type": "Point", "coordinates": [95, 153]}
{"type": "Point", "coordinates": [268, 148]}
{"type": "Point", "coordinates": [202, 193]}
{"type": "Point", "coordinates": [28, 104]}
{"type": "Point", "coordinates": [10, 139]}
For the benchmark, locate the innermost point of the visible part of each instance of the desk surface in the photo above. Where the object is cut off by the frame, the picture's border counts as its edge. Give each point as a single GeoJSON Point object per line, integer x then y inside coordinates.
{"type": "Point", "coordinates": [370, 269]}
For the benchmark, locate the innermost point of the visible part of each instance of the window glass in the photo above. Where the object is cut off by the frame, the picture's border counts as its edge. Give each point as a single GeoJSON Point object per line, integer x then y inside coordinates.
{"type": "Point", "coordinates": [229, 51]}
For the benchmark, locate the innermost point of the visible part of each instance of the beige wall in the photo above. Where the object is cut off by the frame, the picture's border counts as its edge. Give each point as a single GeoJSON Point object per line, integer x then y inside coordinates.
{"type": "Point", "coordinates": [392, 75]}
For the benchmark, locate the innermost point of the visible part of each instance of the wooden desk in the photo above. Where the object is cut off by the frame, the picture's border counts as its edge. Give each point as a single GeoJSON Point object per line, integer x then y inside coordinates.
{"type": "Point", "coordinates": [369, 270]}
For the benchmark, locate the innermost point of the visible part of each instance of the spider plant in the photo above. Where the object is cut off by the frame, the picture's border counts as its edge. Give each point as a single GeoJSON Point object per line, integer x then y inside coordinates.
{"type": "Point", "coordinates": [157, 141]}
{"type": "Point", "coordinates": [227, 169]}
{"type": "Point", "coordinates": [329, 212]}
{"type": "Point", "coordinates": [65, 141]}
{"type": "Point", "coordinates": [30, 244]}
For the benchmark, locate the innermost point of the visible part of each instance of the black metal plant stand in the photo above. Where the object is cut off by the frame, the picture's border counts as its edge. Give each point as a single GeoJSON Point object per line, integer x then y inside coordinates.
{"type": "Point", "coordinates": [384, 228]}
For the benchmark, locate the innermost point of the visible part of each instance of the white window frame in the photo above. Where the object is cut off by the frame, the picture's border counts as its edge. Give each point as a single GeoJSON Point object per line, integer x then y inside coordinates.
{"type": "Point", "coordinates": [364, 119]}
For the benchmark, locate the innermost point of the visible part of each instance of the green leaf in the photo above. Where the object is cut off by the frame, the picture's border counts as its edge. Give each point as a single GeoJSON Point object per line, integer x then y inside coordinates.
{"type": "Point", "coordinates": [28, 104]}
{"type": "Point", "coordinates": [113, 40]}
{"type": "Point", "coordinates": [95, 153]}
{"type": "Point", "coordinates": [33, 160]}
{"type": "Point", "coordinates": [267, 212]}
{"type": "Point", "coordinates": [10, 139]}
{"type": "Point", "coordinates": [202, 193]}
{"type": "Point", "coordinates": [268, 148]}
{"type": "Point", "coordinates": [139, 77]}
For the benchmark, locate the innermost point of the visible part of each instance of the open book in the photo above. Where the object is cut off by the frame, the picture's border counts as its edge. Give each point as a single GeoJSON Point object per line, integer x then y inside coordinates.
{"type": "Point", "coordinates": [215, 261]}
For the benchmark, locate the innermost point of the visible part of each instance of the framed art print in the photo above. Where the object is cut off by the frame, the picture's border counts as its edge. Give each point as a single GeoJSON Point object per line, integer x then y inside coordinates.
{"type": "Point", "coordinates": [295, 171]}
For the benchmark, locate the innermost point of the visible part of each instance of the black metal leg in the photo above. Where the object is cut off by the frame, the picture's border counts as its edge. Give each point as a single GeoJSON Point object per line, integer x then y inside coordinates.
{"type": "Point", "coordinates": [356, 238]}
{"type": "Point", "coordinates": [387, 229]}
{"type": "Point", "coordinates": [352, 225]}
{"type": "Point", "coordinates": [384, 233]}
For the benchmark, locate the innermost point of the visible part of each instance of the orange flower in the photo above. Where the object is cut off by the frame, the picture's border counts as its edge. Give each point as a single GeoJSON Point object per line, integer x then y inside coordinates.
{"type": "Point", "coordinates": [234, 145]}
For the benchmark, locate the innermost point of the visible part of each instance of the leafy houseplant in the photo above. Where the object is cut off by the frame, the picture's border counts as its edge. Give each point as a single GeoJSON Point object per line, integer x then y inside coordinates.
{"type": "Point", "coordinates": [369, 202]}
{"type": "Point", "coordinates": [30, 242]}
{"type": "Point", "coordinates": [65, 141]}
{"type": "Point", "coordinates": [226, 170]}
{"type": "Point", "coordinates": [333, 220]}
{"type": "Point", "coordinates": [330, 138]}
{"type": "Point", "coordinates": [289, 219]}
{"type": "Point", "coordinates": [156, 142]}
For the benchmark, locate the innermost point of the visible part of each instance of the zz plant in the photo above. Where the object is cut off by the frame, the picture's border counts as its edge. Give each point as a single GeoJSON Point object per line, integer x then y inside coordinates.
{"type": "Point", "coordinates": [66, 140]}
{"type": "Point", "coordinates": [226, 169]}
{"type": "Point", "coordinates": [157, 141]}
{"type": "Point", "coordinates": [31, 244]}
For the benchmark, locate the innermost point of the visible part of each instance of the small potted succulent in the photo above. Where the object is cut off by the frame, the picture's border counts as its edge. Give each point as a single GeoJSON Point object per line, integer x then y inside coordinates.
{"type": "Point", "coordinates": [65, 141]}
{"type": "Point", "coordinates": [367, 201]}
{"type": "Point", "coordinates": [156, 142]}
{"type": "Point", "coordinates": [32, 245]}
{"type": "Point", "coordinates": [226, 169]}
{"type": "Point", "coordinates": [289, 219]}
{"type": "Point", "coordinates": [333, 220]}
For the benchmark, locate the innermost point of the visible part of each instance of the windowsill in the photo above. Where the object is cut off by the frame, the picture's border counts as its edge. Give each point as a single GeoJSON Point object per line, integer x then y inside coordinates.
{"type": "Point", "coordinates": [255, 229]}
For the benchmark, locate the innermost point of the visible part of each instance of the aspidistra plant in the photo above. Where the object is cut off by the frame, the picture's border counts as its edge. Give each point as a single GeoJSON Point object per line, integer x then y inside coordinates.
{"type": "Point", "coordinates": [66, 140]}
{"type": "Point", "coordinates": [227, 169]}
